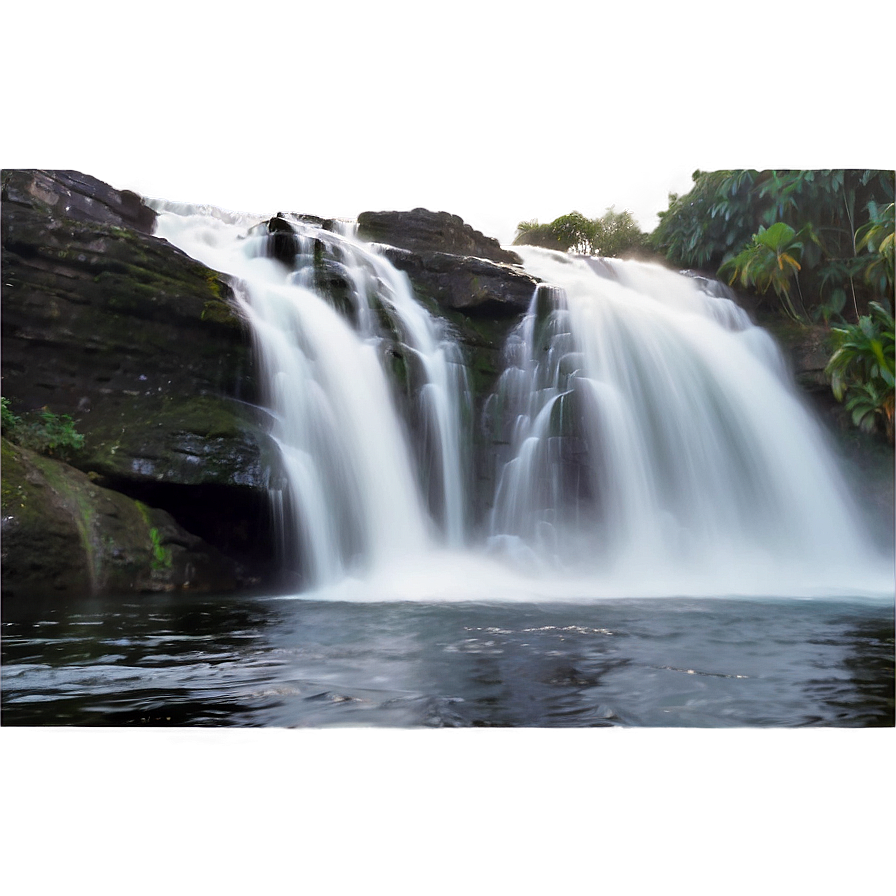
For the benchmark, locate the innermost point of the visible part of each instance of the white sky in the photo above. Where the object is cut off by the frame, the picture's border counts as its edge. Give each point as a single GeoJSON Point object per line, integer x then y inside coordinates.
{"type": "Point", "coordinates": [498, 112]}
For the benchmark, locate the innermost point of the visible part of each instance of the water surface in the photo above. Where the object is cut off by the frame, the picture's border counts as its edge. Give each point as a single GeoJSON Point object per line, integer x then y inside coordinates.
{"type": "Point", "coordinates": [266, 661]}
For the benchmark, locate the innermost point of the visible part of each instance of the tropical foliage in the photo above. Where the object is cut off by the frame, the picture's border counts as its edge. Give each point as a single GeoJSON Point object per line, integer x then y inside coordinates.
{"type": "Point", "coordinates": [771, 261]}
{"type": "Point", "coordinates": [611, 235]}
{"type": "Point", "coordinates": [862, 369]}
{"type": "Point", "coordinates": [841, 217]}
{"type": "Point", "coordinates": [877, 237]}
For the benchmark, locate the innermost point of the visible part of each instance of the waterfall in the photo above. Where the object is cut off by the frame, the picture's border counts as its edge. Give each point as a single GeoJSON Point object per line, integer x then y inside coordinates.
{"type": "Point", "coordinates": [646, 436]}
{"type": "Point", "coordinates": [344, 349]}
{"type": "Point", "coordinates": [654, 436]}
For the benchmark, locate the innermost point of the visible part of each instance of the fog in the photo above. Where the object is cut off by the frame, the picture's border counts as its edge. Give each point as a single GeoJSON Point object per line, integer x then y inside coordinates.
{"type": "Point", "coordinates": [493, 112]}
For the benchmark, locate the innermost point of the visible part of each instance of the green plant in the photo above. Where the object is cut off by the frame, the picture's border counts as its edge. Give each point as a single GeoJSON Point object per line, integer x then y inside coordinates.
{"type": "Point", "coordinates": [161, 556]}
{"type": "Point", "coordinates": [616, 233]}
{"type": "Point", "coordinates": [867, 404]}
{"type": "Point", "coordinates": [8, 420]}
{"type": "Point", "coordinates": [862, 369]}
{"type": "Point", "coordinates": [877, 236]}
{"type": "Point", "coordinates": [572, 232]}
{"type": "Point", "coordinates": [846, 209]}
{"type": "Point", "coordinates": [771, 261]}
{"type": "Point", "coordinates": [54, 434]}
{"type": "Point", "coordinates": [708, 225]}
{"type": "Point", "coordinates": [43, 431]}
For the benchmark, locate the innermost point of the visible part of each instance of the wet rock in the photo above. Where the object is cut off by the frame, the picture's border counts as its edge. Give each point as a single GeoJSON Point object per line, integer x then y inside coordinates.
{"type": "Point", "coordinates": [78, 197]}
{"type": "Point", "coordinates": [474, 286]}
{"type": "Point", "coordinates": [283, 243]}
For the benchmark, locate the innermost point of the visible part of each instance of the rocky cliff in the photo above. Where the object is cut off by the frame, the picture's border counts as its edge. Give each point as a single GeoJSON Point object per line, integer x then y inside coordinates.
{"type": "Point", "coordinates": [143, 349]}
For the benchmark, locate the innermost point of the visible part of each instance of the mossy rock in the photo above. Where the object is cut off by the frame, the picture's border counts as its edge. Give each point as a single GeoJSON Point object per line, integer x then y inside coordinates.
{"type": "Point", "coordinates": [182, 439]}
{"type": "Point", "coordinates": [63, 533]}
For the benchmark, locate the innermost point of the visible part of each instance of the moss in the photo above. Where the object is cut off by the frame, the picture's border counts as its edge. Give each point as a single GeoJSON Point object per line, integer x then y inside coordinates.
{"type": "Point", "coordinates": [82, 510]}
{"type": "Point", "coordinates": [190, 440]}
{"type": "Point", "coordinates": [220, 312]}
{"type": "Point", "coordinates": [213, 282]}
{"type": "Point", "coordinates": [45, 543]}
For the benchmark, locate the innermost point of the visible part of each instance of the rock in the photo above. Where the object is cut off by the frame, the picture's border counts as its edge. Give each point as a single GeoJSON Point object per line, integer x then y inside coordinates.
{"type": "Point", "coordinates": [474, 286]}
{"type": "Point", "coordinates": [421, 230]}
{"type": "Point", "coordinates": [809, 354]}
{"type": "Point", "coordinates": [64, 534]}
{"type": "Point", "coordinates": [143, 346]}
{"type": "Point", "coordinates": [78, 197]}
{"type": "Point", "coordinates": [283, 243]}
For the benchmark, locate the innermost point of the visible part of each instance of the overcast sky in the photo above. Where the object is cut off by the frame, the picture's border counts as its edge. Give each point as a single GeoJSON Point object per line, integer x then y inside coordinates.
{"type": "Point", "coordinates": [498, 112]}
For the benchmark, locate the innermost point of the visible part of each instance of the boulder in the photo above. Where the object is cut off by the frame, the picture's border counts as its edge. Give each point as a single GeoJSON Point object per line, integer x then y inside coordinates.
{"type": "Point", "coordinates": [474, 286]}
{"type": "Point", "coordinates": [421, 230]}
{"type": "Point", "coordinates": [64, 534]}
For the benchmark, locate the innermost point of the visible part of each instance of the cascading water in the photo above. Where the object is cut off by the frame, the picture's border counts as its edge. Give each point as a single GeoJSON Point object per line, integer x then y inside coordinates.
{"type": "Point", "coordinates": [646, 437]}
{"type": "Point", "coordinates": [656, 440]}
{"type": "Point", "coordinates": [329, 319]}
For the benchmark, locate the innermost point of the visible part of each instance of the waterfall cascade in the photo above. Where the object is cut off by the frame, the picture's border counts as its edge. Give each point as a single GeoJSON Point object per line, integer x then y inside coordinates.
{"type": "Point", "coordinates": [340, 340]}
{"type": "Point", "coordinates": [647, 439]}
{"type": "Point", "coordinates": [653, 430]}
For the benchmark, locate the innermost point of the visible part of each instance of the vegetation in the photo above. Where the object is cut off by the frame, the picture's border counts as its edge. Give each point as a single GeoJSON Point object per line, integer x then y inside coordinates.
{"type": "Point", "coordinates": [823, 243]}
{"type": "Point", "coordinates": [161, 556]}
{"type": "Point", "coordinates": [8, 420]}
{"type": "Point", "coordinates": [612, 235]}
{"type": "Point", "coordinates": [863, 369]}
{"type": "Point", "coordinates": [42, 431]}
{"type": "Point", "coordinates": [771, 261]}
{"type": "Point", "coordinates": [840, 218]}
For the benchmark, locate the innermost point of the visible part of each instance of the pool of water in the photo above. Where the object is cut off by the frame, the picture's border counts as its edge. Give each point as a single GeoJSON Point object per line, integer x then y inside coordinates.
{"type": "Point", "coordinates": [180, 660]}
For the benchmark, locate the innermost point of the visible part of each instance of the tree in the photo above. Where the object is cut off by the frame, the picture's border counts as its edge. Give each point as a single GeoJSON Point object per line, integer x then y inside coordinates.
{"type": "Point", "coordinates": [610, 235]}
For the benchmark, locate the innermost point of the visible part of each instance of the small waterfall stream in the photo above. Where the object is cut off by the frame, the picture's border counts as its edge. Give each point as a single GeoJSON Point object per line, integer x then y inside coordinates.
{"type": "Point", "coordinates": [647, 439]}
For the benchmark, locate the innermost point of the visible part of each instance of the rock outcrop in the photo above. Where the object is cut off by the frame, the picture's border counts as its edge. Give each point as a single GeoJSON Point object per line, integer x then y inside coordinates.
{"type": "Point", "coordinates": [421, 230]}
{"type": "Point", "coordinates": [144, 348]}
{"type": "Point", "coordinates": [64, 534]}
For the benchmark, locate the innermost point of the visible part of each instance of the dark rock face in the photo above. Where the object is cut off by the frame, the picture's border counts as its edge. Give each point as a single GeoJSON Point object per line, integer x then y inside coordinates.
{"type": "Point", "coordinates": [142, 346]}
{"type": "Point", "coordinates": [421, 230]}
{"type": "Point", "coordinates": [283, 244]}
{"type": "Point", "coordinates": [474, 286]}
{"type": "Point", "coordinates": [78, 197]}
{"type": "Point", "coordinates": [64, 534]}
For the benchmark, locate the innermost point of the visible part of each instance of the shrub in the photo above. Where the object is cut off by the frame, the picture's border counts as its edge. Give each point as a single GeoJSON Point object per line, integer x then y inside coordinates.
{"type": "Point", "coordinates": [42, 431]}
{"type": "Point", "coordinates": [862, 369]}
{"type": "Point", "coordinates": [8, 420]}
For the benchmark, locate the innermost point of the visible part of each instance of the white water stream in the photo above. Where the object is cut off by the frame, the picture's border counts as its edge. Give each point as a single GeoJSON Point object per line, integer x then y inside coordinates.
{"type": "Point", "coordinates": [354, 500]}
{"type": "Point", "coordinates": [656, 437]}
{"type": "Point", "coordinates": [650, 442]}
